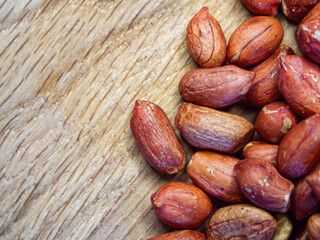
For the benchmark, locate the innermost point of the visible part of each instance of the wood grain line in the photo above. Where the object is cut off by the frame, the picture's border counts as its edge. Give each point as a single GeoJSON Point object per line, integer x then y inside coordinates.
{"type": "Point", "coordinates": [45, 6]}
{"type": "Point", "coordinates": [18, 22]}
{"type": "Point", "coordinates": [66, 120]}
{"type": "Point", "coordinates": [7, 124]}
{"type": "Point", "coordinates": [14, 38]}
{"type": "Point", "coordinates": [87, 53]}
{"type": "Point", "coordinates": [113, 11]}
{"type": "Point", "coordinates": [4, 139]}
{"type": "Point", "coordinates": [73, 26]}
{"type": "Point", "coordinates": [5, 74]}
{"type": "Point", "coordinates": [20, 186]}
{"type": "Point", "coordinates": [79, 135]}
{"type": "Point", "coordinates": [64, 207]}
{"type": "Point", "coordinates": [75, 168]}
{"type": "Point", "coordinates": [88, 105]}
{"type": "Point", "coordinates": [22, 45]}
{"type": "Point", "coordinates": [8, 14]}
{"type": "Point", "coordinates": [83, 24]}
{"type": "Point", "coordinates": [40, 212]}
{"type": "Point", "coordinates": [47, 63]}
{"type": "Point", "coordinates": [27, 148]}
{"type": "Point", "coordinates": [135, 17]}
{"type": "Point", "coordinates": [145, 212]}
{"type": "Point", "coordinates": [56, 14]}
{"type": "Point", "coordinates": [4, 174]}
{"type": "Point", "coordinates": [140, 88]}
{"type": "Point", "coordinates": [108, 179]}
{"type": "Point", "coordinates": [171, 58]}
{"type": "Point", "coordinates": [48, 212]}
{"type": "Point", "coordinates": [42, 151]}
{"type": "Point", "coordinates": [56, 171]}
{"type": "Point", "coordinates": [27, 4]}
{"type": "Point", "coordinates": [63, 47]}
{"type": "Point", "coordinates": [3, 3]}
{"type": "Point", "coordinates": [49, 29]}
{"type": "Point", "coordinates": [36, 50]}
{"type": "Point", "coordinates": [151, 226]}
{"type": "Point", "coordinates": [103, 98]}
{"type": "Point", "coordinates": [90, 31]}
{"type": "Point", "coordinates": [20, 195]}
{"type": "Point", "coordinates": [77, 8]}
{"type": "Point", "coordinates": [16, 150]}
{"type": "Point", "coordinates": [43, 103]}
{"type": "Point", "coordinates": [33, 67]}
{"type": "Point", "coordinates": [107, 37]}
{"type": "Point", "coordinates": [25, 203]}
{"type": "Point", "coordinates": [93, 15]}
{"type": "Point", "coordinates": [59, 229]}
{"type": "Point", "coordinates": [85, 169]}
{"type": "Point", "coordinates": [59, 78]}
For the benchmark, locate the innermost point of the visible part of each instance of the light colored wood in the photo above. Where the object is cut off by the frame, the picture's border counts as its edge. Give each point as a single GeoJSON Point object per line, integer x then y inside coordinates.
{"type": "Point", "coordinates": [70, 72]}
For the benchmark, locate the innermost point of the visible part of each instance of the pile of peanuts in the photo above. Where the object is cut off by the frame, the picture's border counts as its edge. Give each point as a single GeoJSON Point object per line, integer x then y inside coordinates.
{"type": "Point", "coordinates": [275, 186]}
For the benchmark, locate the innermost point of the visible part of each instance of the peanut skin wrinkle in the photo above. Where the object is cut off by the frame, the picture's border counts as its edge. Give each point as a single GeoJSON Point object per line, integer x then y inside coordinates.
{"type": "Point", "coordinates": [261, 183]}
{"type": "Point", "coordinates": [299, 150]}
{"type": "Point", "coordinates": [313, 179]}
{"type": "Point", "coordinates": [265, 88]}
{"type": "Point", "coordinates": [213, 172]}
{"type": "Point", "coordinates": [313, 227]}
{"type": "Point", "coordinates": [216, 87]}
{"type": "Point", "coordinates": [156, 138]}
{"type": "Point", "coordinates": [181, 205]}
{"type": "Point", "coordinates": [205, 40]}
{"type": "Point", "coordinates": [304, 202]}
{"type": "Point", "coordinates": [241, 221]}
{"type": "Point", "coordinates": [254, 40]}
{"type": "Point", "coordinates": [208, 128]}
{"type": "Point", "coordinates": [308, 34]}
{"type": "Point", "coordinates": [261, 150]}
{"type": "Point", "coordinates": [299, 84]}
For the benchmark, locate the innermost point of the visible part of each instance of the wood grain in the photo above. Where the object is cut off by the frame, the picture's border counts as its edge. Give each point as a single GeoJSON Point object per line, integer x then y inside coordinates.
{"type": "Point", "coordinates": [70, 72]}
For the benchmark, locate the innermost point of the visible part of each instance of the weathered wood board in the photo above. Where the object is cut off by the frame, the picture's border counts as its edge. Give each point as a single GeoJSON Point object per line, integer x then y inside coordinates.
{"type": "Point", "coordinates": [70, 72]}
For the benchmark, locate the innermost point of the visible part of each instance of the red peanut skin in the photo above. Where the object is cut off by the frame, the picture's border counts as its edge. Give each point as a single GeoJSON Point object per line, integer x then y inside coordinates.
{"type": "Point", "coordinates": [261, 183]}
{"type": "Point", "coordinates": [205, 40]}
{"type": "Point", "coordinates": [274, 121]}
{"type": "Point", "coordinates": [213, 172]}
{"type": "Point", "coordinates": [216, 87]}
{"type": "Point", "coordinates": [313, 179]}
{"type": "Point", "coordinates": [266, 7]}
{"type": "Point", "coordinates": [241, 221]}
{"type": "Point", "coordinates": [264, 89]}
{"type": "Point", "coordinates": [208, 128]}
{"type": "Point", "coordinates": [313, 227]}
{"type": "Point", "coordinates": [304, 202]}
{"type": "Point", "coordinates": [300, 84]}
{"type": "Point", "coordinates": [296, 10]}
{"type": "Point", "coordinates": [181, 205]}
{"type": "Point", "coordinates": [299, 150]}
{"type": "Point", "coordinates": [308, 34]}
{"type": "Point", "coordinates": [156, 138]}
{"type": "Point", "coordinates": [254, 40]}
{"type": "Point", "coordinates": [180, 235]}
{"type": "Point", "coordinates": [261, 150]}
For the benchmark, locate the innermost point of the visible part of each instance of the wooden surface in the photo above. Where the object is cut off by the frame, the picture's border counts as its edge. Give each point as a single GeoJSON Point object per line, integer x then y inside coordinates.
{"type": "Point", "coordinates": [70, 72]}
